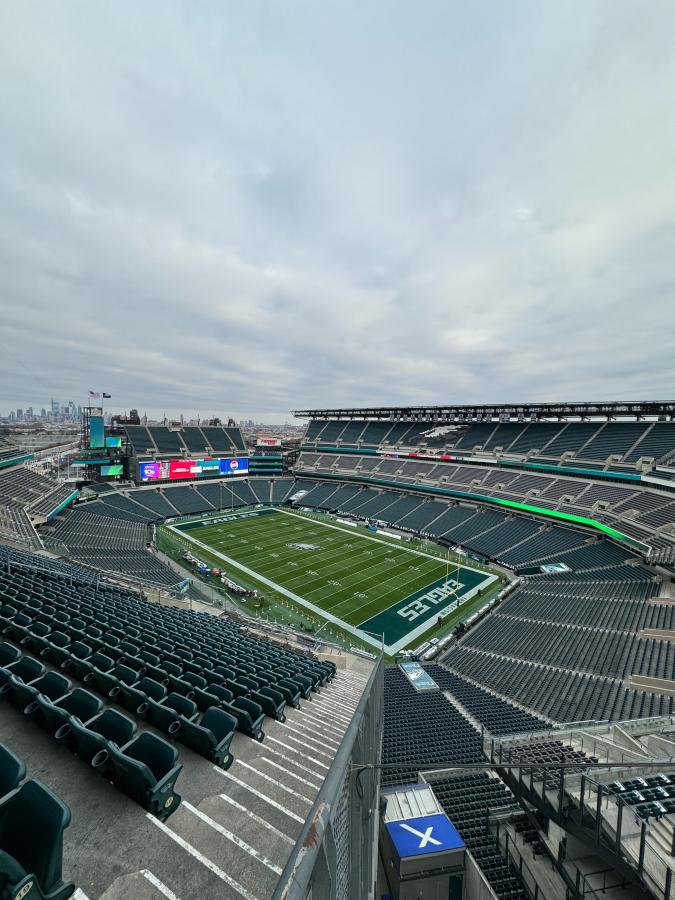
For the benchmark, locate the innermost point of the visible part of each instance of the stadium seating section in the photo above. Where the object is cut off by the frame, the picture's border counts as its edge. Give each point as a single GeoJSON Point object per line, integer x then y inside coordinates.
{"type": "Point", "coordinates": [586, 441]}
{"type": "Point", "coordinates": [422, 730]}
{"type": "Point", "coordinates": [110, 533]}
{"type": "Point", "coordinates": [641, 511]}
{"type": "Point", "coordinates": [28, 498]}
{"type": "Point", "coordinates": [467, 800]}
{"type": "Point", "coordinates": [193, 677]}
{"type": "Point", "coordinates": [649, 797]}
{"type": "Point", "coordinates": [190, 441]}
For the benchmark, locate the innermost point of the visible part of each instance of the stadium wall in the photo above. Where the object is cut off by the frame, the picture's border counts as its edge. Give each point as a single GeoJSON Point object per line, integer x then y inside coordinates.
{"type": "Point", "coordinates": [335, 856]}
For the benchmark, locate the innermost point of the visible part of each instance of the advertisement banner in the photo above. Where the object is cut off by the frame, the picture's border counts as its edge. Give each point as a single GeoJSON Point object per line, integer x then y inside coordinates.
{"type": "Point", "coordinates": [181, 469]}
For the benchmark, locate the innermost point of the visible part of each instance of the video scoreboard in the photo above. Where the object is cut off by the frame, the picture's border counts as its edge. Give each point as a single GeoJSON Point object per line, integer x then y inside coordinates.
{"type": "Point", "coordinates": [179, 469]}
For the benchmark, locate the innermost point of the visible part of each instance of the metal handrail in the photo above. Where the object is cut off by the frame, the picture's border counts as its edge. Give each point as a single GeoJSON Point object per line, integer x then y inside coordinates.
{"type": "Point", "coordinates": [295, 879]}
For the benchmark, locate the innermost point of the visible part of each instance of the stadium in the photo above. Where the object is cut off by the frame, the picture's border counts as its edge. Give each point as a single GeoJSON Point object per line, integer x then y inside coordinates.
{"type": "Point", "coordinates": [420, 651]}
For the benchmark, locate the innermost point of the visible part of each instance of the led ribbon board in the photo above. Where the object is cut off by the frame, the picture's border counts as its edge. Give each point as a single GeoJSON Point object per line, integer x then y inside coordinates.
{"type": "Point", "coordinates": [498, 501]}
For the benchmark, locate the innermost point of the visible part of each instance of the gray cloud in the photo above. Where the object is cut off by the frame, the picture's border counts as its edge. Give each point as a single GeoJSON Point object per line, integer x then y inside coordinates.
{"type": "Point", "coordinates": [249, 208]}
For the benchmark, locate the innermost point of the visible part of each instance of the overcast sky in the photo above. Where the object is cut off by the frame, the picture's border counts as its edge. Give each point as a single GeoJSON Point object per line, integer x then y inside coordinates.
{"type": "Point", "coordinates": [252, 207]}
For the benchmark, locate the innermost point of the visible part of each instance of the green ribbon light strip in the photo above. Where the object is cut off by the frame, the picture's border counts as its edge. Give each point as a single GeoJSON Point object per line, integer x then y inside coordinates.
{"type": "Point", "coordinates": [496, 501]}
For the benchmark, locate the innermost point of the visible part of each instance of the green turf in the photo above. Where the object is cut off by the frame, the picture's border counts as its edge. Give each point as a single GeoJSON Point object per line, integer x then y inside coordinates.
{"type": "Point", "coordinates": [361, 580]}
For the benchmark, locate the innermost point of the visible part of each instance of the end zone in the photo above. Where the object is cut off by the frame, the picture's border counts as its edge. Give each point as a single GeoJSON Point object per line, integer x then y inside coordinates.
{"type": "Point", "coordinates": [436, 599]}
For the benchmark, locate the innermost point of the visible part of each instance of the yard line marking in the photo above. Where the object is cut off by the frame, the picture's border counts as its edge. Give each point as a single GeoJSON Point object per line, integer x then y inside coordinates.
{"type": "Point", "coordinates": [155, 882]}
{"type": "Point", "coordinates": [365, 537]}
{"type": "Point", "coordinates": [301, 778]}
{"type": "Point", "coordinates": [257, 819]}
{"type": "Point", "coordinates": [295, 750]}
{"type": "Point", "coordinates": [345, 626]}
{"type": "Point", "coordinates": [275, 781]}
{"type": "Point", "coordinates": [232, 837]}
{"type": "Point", "coordinates": [260, 795]}
{"type": "Point", "coordinates": [347, 543]}
{"type": "Point", "coordinates": [204, 860]}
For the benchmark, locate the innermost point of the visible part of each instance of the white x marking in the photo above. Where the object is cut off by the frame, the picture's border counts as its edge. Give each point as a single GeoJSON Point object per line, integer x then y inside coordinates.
{"type": "Point", "coordinates": [424, 835]}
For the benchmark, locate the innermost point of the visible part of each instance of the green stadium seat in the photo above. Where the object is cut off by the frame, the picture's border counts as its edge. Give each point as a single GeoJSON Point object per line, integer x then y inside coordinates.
{"type": "Point", "coordinates": [37, 638]}
{"type": "Point", "coordinates": [8, 654]}
{"type": "Point", "coordinates": [78, 655]}
{"type": "Point", "coordinates": [52, 685]}
{"type": "Point", "coordinates": [92, 742]}
{"type": "Point", "coordinates": [146, 770]}
{"type": "Point", "coordinates": [274, 708]}
{"type": "Point", "coordinates": [12, 770]}
{"type": "Point", "coordinates": [25, 667]}
{"type": "Point", "coordinates": [249, 716]}
{"type": "Point", "coordinates": [290, 690]}
{"type": "Point", "coordinates": [211, 737]}
{"type": "Point", "coordinates": [52, 715]}
{"type": "Point", "coordinates": [97, 662]}
{"type": "Point", "coordinates": [167, 713]}
{"type": "Point", "coordinates": [32, 822]}
{"type": "Point", "coordinates": [110, 683]}
{"type": "Point", "coordinates": [54, 651]}
{"type": "Point", "coordinates": [17, 627]}
{"type": "Point", "coordinates": [197, 681]}
{"type": "Point", "coordinates": [135, 697]}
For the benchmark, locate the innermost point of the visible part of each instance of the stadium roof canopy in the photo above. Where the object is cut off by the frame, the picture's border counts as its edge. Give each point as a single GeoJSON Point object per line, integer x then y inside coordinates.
{"type": "Point", "coordinates": [616, 409]}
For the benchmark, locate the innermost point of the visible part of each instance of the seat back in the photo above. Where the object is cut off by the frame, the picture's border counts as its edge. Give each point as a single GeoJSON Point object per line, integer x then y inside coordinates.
{"type": "Point", "coordinates": [27, 668]}
{"type": "Point", "coordinates": [151, 688]}
{"type": "Point", "coordinates": [102, 662]}
{"type": "Point", "coordinates": [182, 705]}
{"type": "Point", "coordinates": [80, 650]}
{"type": "Point", "coordinates": [40, 629]}
{"type": "Point", "coordinates": [195, 680]}
{"type": "Point", "coordinates": [52, 685]}
{"type": "Point", "coordinates": [132, 776]}
{"type": "Point", "coordinates": [157, 754]}
{"type": "Point", "coordinates": [125, 674]}
{"type": "Point", "coordinates": [59, 639]}
{"type": "Point", "coordinates": [198, 738]}
{"type": "Point", "coordinates": [50, 716]}
{"type": "Point", "coordinates": [171, 668]}
{"type": "Point", "coordinates": [221, 692]}
{"type": "Point", "coordinates": [32, 822]}
{"type": "Point", "coordinates": [12, 770]}
{"type": "Point", "coordinates": [150, 658]}
{"type": "Point", "coordinates": [114, 726]}
{"type": "Point", "coordinates": [8, 654]}
{"type": "Point", "coordinates": [253, 709]}
{"type": "Point", "coordinates": [219, 722]}
{"type": "Point", "coordinates": [80, 703]}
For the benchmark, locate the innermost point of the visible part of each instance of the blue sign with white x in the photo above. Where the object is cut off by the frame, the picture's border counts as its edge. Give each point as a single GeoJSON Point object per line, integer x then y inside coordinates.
{"type": "Point", "coordinates": [428, 834]}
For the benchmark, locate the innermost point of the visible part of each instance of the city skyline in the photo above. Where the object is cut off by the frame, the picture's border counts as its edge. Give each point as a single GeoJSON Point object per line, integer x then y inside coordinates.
{"type": "Point", "coordinates": [63, 412]}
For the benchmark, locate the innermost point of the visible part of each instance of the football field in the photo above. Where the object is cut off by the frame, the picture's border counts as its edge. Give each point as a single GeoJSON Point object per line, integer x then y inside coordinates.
{"type": "Point", "coordinates": [368, 586]}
